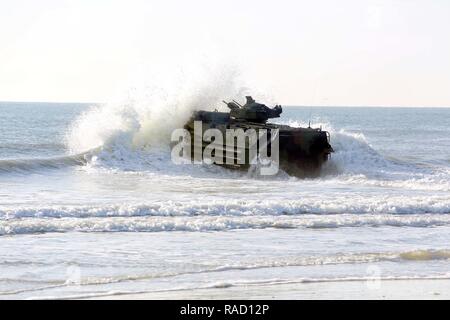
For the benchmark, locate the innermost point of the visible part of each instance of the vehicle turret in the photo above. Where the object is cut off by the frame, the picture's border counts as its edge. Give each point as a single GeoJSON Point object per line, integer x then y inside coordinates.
{"type": "Point", "coordinates": [252, 111]}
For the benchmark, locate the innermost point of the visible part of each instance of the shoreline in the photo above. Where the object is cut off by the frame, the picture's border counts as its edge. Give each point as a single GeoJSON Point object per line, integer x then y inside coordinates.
{"type": "Point", "coordinates": [436, 289]}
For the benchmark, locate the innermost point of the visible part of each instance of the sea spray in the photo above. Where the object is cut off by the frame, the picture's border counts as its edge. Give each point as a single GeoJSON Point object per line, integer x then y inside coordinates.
{"type": "Point", "coordinates": [149, 114]}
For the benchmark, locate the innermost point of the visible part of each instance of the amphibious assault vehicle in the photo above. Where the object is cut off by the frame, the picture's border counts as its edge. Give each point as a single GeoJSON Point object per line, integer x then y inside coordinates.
{"type": "Point", "coordinates": [302, 151]}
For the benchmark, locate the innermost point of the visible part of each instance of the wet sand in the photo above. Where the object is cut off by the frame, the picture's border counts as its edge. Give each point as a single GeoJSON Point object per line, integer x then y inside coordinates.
{"type": "Point", "coordinates": [384, 289]}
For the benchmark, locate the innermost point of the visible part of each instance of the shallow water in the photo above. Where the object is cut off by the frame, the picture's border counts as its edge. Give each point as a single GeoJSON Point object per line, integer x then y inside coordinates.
{"type": "Point", "coordinates": [87, 207]}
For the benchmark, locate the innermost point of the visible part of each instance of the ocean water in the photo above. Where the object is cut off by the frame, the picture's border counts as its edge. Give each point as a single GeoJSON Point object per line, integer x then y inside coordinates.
{"type": "Point", "coordinates": [91, 205]}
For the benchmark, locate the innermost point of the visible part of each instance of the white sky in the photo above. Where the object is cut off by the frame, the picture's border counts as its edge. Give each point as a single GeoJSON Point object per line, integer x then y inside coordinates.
{"type": "Point", "coordinates": [325, 52]}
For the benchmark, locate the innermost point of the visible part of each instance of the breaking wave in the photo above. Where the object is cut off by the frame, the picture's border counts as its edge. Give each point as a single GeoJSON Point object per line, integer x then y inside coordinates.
{"type": "Point", "coordinates": [217, 223]}
{"type": "Point", "coordinates": [352, 205]}
{"type": "Point", "coordinates": [36, 164]}
{"type": "Point", "coordinates": [425, 255]}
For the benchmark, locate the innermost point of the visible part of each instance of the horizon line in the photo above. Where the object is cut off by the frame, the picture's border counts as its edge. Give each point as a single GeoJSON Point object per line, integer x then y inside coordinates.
{"type": "Point", "coordinates": [286, 105]}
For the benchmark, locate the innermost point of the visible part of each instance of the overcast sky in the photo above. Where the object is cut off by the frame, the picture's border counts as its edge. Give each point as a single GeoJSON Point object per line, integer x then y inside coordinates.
{"type": "Point", "coordinates": [326, 52]}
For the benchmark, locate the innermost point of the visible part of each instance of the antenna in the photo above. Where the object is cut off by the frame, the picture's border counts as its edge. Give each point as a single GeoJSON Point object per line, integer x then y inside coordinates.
{"type": "Point", "coordinates": [310, 113]}
{"type": "Point", "coordinates": [239, 105]}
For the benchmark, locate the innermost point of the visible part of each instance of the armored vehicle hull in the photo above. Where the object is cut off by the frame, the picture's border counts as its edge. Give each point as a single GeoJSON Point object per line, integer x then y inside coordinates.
{"type": "Point", "coordinates": [302, 151]}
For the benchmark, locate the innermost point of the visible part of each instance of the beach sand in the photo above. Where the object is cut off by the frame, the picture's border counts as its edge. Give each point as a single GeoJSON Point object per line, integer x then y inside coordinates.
{"type": "Point", "coordinates": [383, 289]}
